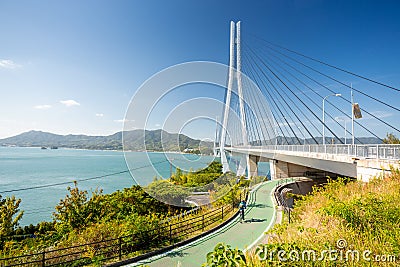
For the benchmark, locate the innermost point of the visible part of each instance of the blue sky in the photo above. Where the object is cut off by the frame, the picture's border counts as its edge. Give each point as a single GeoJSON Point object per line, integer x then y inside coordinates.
{"type": "Point", "coordinates": [73, 66]}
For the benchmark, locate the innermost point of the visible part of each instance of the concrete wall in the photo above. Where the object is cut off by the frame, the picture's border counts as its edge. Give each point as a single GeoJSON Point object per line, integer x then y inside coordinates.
{"type": "Point", "coordinates": [369, 168]}
{"type": "Point", "coordinates": [300, 188]}
{"type": "Point", "coordinates": [282, 169]}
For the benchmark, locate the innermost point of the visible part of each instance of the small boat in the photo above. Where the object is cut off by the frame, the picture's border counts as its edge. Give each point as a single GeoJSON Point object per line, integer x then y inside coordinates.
{"type": "Point", "coordinates": [54, 147]}
{"type": "Point", "coordinates": [43, 147]}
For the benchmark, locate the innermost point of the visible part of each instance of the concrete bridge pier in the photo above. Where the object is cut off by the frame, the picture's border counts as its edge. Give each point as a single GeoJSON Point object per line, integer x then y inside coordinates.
{"type": "Point", "coordinates": [249, 163]}
{"type": "Point", "coordinates": [281, 169]}
{"type": "Point", "coordinates": [253, 165]}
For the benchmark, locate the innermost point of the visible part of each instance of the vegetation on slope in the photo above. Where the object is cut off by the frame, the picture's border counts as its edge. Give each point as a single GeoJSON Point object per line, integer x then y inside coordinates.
{"type": "Point", "coordinates": [341, 224]}
{"type": "Point", "coordinates": [198, 178]}
{"type": "Point", "coordinates": [80, 218]}
{"type": "Point", "coordinates": [91, 218]}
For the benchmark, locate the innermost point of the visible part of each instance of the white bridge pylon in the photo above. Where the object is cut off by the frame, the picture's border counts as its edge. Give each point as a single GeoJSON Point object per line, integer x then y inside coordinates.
{"type": "Point", "coordinates": [235, 75]}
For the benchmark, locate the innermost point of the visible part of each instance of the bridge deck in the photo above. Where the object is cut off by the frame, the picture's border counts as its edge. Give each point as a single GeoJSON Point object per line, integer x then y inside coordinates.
{"type": "Point", "coordinates": [260, 215]}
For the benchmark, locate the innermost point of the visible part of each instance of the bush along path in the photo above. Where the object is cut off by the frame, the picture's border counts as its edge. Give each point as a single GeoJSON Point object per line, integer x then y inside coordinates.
{"type": "Point", "coordinates": [259, 217]}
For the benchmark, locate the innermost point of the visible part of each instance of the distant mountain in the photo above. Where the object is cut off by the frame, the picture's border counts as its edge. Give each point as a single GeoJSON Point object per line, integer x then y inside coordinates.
{"type": "Point", "coordinates": [156, 140]}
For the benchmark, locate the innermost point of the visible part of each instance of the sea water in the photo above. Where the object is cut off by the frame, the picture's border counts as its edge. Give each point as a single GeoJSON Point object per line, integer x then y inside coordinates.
{"type": "Point", "coordinates": [31, 174]}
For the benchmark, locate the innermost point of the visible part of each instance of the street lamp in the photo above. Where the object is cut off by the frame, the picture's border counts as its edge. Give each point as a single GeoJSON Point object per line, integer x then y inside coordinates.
{"type": "Point", "coordinates": [323, 115]}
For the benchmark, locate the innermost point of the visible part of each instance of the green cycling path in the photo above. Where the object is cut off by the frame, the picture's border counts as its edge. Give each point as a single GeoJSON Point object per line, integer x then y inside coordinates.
{"type": "Point", "coordinates": [259, 216]}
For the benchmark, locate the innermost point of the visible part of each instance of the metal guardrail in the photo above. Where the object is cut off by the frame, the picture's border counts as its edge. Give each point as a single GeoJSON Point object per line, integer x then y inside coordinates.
{"type": "Point", "coordinates": [165, 234]}
{"type": "Point", "coordinates": [379, 151]}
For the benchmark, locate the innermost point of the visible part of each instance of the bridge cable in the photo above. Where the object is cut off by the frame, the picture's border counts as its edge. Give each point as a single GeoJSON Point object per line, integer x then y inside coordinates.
{"type": "Point", "coordinates": [306, 117]}
{"type": "Point", "coordinates": [295, 86]}
{"type": "Point", "coordinates": [283, 106]}
{"type": "Point", "coordinates": [309, 98]}
{"type": "Point", "coordinates": [377, 100]}
{"type": "Point", "coordinates": [336, 80]}
{"type": "Point", "coordinates": [329, 65]}
{"type": "Point", "coordinates": [330, 90]}
{"type": "Point", "coordinates": [303, 83]}
{"type": "Point", "coordinates": [253, 115]}
{"type": "Point", "coordinates": [343, 99]}
{"type": "Point", "coordinates": [283, 119]}
{"type": "Point", "coordinates": [257, 106]}
{"type": "Point", "coordinates": [272, 106]}
{"type": "Point", "coordinates": [276, 107]}
{"type": "Point", "coordinates": [276, 76]}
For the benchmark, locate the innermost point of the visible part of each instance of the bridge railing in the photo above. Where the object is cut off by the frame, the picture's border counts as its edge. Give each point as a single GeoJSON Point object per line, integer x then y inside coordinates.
{"type": "Point", "coordinates": [380, 151]}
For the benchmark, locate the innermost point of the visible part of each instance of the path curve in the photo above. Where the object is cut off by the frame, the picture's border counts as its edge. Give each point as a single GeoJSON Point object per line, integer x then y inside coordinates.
{"type": "Point", "coordinates": [260, 216]}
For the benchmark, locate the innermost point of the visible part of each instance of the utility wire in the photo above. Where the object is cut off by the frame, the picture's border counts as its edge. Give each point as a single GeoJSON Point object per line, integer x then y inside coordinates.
{"type": "Point", "coordinates": [80, 180]}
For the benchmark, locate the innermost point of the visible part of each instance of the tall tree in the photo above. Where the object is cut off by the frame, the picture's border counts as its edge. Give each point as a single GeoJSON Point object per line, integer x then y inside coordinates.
{"type": "Point", "coordinates": [9, 215]}
{"type": "Point", "coordinates": [76, 210]}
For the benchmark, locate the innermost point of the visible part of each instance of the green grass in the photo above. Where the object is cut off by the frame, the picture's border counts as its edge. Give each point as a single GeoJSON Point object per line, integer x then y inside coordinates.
{"type": "Point", "coordinates": [343, 217]}
{"type": "Point", "coordinates": [345, 223]}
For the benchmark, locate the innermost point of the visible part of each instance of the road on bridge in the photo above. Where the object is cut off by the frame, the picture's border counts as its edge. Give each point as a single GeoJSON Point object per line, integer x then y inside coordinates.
{"type": "Point", "coordinates": [260, 215]}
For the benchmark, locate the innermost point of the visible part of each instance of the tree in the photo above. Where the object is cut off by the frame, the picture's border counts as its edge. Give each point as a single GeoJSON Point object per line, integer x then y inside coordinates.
{"type": "Point", "coordinates": [391, 139]}
{"type": "Point", "coordinates": [167, 192]}
{"type": "Point", "coordinates": [177, 176]}
{"type": "Point", "coordinates": [9, 215]}
{"type": "Point", "coordinates": [76, 210]}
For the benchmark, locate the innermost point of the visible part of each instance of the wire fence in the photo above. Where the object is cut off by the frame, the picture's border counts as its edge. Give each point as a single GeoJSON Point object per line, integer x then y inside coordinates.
{"type": "Point", "coordinates": [161, 236]}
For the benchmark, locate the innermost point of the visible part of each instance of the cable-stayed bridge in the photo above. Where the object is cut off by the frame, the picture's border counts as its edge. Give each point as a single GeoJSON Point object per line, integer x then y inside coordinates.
{"type": "Point", "coordinates": [303, 115]}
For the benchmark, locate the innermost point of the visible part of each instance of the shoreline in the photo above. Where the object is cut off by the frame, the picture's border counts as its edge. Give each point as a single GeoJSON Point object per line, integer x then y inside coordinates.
{"type": "Point", "coordinates": [111, 150]}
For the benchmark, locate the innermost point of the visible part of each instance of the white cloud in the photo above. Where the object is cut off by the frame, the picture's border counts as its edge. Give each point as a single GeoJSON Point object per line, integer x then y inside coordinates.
{"type": "Point", "coordinates": [8, 64]}
{"type": "Point", "coordinates": [99, 115]}
{"type": "Point", "coordinates": [69, 103]}
{"type": "Point", "coordinates": [381, 114]}
{"type": "Point", "coordinates": [123, 120]}
{"type": "Point", "coordinates": [42, 107]}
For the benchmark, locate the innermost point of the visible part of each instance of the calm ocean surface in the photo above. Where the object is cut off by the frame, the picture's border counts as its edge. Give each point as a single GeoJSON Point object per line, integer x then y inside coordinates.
{"type": "Point", "coordinates": [22, 168]}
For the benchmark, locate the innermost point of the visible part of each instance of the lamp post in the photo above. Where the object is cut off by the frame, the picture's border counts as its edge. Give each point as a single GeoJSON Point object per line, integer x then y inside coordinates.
{"type": "Point", "coordinates": [323, 115]}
